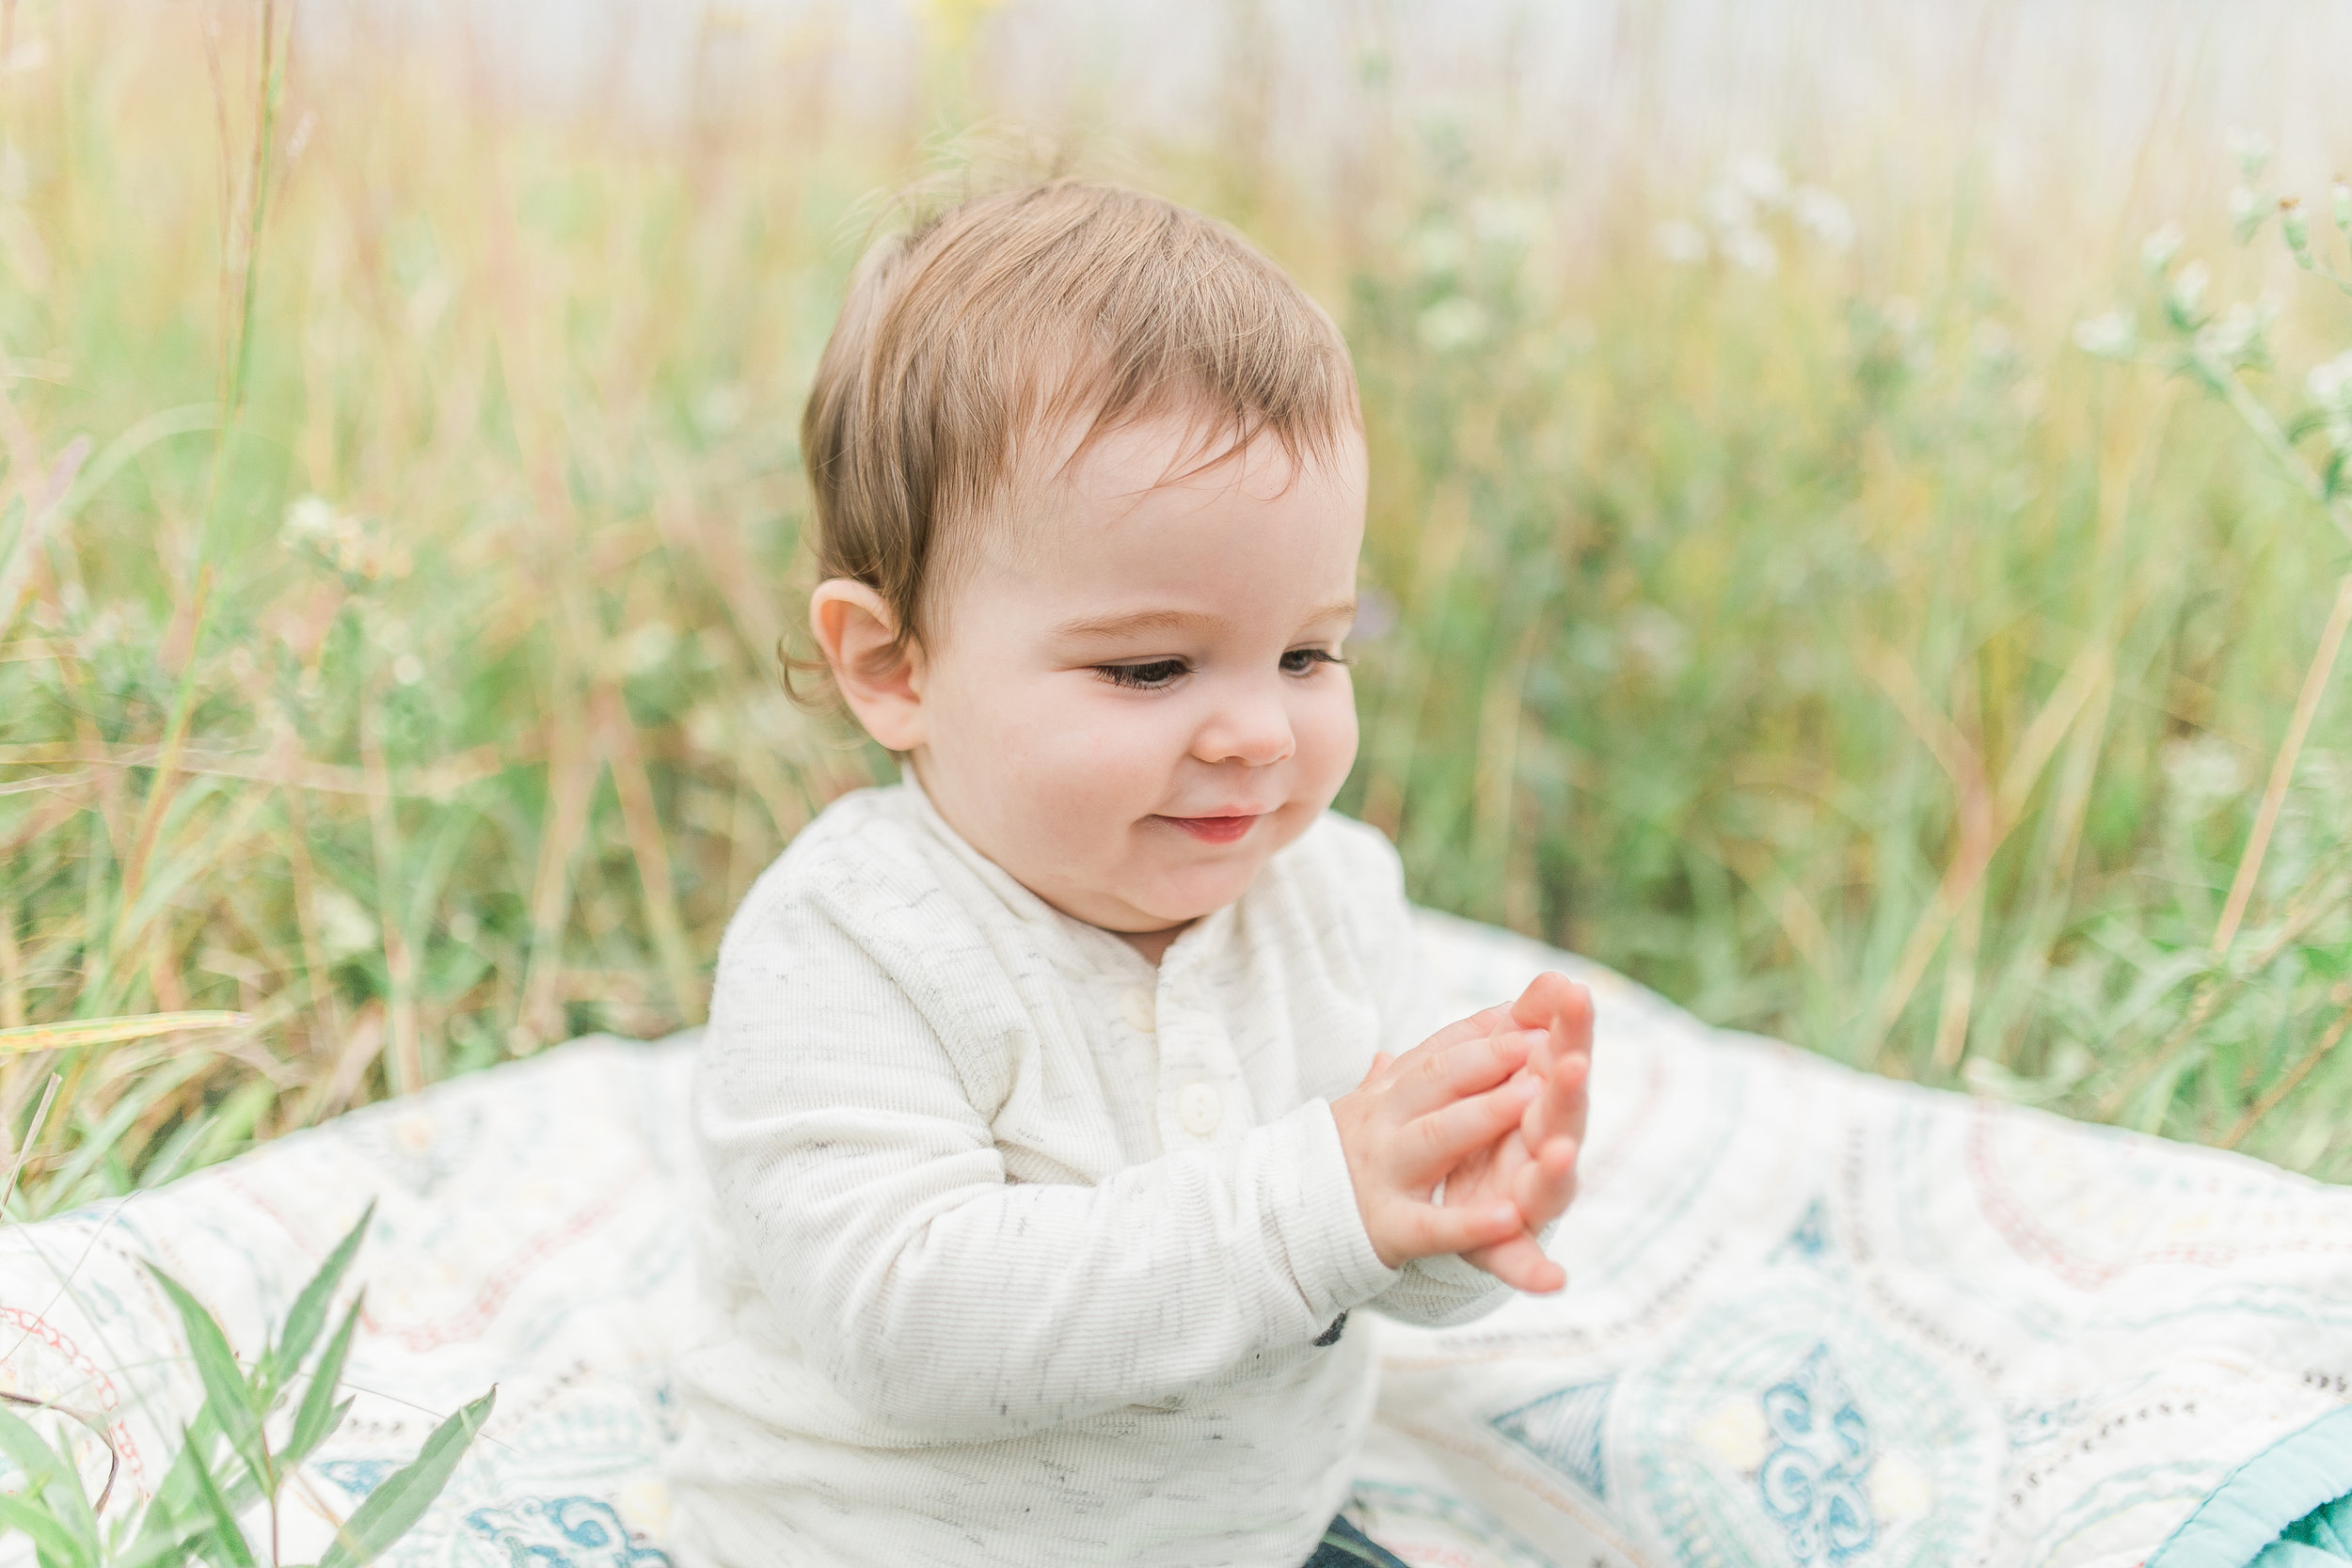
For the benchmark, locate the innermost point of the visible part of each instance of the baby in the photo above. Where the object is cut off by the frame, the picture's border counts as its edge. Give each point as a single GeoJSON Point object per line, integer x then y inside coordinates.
{"type": "Point", "coordinates": [1062, 1101]}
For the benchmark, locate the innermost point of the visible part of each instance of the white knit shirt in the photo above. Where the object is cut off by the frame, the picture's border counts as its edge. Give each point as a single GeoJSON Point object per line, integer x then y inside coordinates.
{"type": "Point", "coordinates": [1020, 1246]}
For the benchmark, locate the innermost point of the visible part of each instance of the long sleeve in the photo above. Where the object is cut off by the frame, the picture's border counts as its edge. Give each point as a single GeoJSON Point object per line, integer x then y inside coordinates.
{"type": "Point", "coordinates": [860, 1179]}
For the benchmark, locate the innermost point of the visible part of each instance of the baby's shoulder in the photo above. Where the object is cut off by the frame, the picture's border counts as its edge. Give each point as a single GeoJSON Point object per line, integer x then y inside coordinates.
{"type": "Point", "coordinates": [1342, 878]}
{"type": "Point", "coordinates": [1339, 857]}
{"type": "Point", "coordinates": [863, 867]}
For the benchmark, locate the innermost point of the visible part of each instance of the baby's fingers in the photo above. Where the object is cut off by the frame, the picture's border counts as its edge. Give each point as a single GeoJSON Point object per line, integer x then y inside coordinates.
{"type": "Point", "coordinates": [1427, 1079]}
{"type": "Point", "coordinates": [1551, 1000]}
{"type": "Point", "coordinates": [1559, 1111]}
{"type": "Point", "coordinates": [1544, 1187]}
{"type": "Point", "coordinates": [1427, 1230]}
{"type": "Point", "coordinates": [1520, 1263]}
{"type": "Point", "coordinates": [1449, 1134]}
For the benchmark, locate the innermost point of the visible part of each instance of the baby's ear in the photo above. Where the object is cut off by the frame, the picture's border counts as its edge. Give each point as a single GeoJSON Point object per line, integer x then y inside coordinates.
{"type": "Point", "coordinates": [873, 666]}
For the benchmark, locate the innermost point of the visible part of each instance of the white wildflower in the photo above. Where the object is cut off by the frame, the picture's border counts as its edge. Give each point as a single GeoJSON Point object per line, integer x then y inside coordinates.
{"type": "Point", "coordinates": [721, 409]}
{"type": "Point", "coordinates": [1454, 322]}
{"type": "Point", "coordinates": [709, 730]}
{"type": "Point", "coordinates": [408, 670]}
{"type": "Point", "coordinates": [648, 647]}
{"type": "Point", "coordinates": [1438, 249]}
{"type": "Point", "coordinates": [1727, 209]}
{"type": "Point", "coordinates": [1681, 241]}
{"type": "Point", "coordinates": [309, 519]}
{"type": "Point", "coordinates": [1750, 250]}
{"type": "Point", "coordinates": [2187, 295]}
{"type": "Point", "coordinates": [1823, 216]}
{"type": "Point", "coordinates": [2330, 383]}
{"type": "Point", "coordinates": [2230, 338]}
{"type": "Point", "coordinates": [2156, 252]}
{"type": "Point", "coordinates": [2252, 152]}
{"type": "Point", "coordinates": [1760, 178]}
{"type": "Point", "coordinates": [1504, 223]}
{"type": "Point", "coordinates": [2110, 335]}
{"type": "Point", "coordinates": [345, 928]}
{"type": "Point", "coordinates": [2201, 769]}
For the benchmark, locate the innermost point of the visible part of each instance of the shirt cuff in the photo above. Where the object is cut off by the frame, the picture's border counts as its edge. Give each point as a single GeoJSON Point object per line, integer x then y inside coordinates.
{"type": "Point", "coordinates": [1331, 1256]}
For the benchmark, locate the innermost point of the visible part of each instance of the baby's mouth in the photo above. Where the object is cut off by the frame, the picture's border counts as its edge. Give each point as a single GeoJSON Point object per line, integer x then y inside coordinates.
{"type": "Point", "coordinates": [1213, 830]}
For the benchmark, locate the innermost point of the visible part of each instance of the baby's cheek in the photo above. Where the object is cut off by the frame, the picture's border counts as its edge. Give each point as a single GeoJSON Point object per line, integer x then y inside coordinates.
{"type": "Point", "coordinates": [1326, 727]}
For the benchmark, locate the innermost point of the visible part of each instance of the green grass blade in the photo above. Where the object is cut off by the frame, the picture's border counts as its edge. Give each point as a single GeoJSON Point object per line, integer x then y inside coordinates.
{"type": "Point", "coordinates": [407, 1492]}
{"type": "Point", "coordinates": [229, 1399]}
{"type": "Point", "coordinates": [227, 1536]}
{"type": "Point", "coordinates": [56, 1546]}
{"type": "Point", "coordinates": [24, 1445]}
{"type": "Point", "coordinates": [112, 1031]}
{"type": "Point", "coordinates": [308, 1313]}
{"type": "Point", "coordinates": [319, 1415]}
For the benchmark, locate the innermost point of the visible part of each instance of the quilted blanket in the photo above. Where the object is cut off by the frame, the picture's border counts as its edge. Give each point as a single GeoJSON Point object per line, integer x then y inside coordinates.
{"type": "Point", "coordinates": [1814, 1318]}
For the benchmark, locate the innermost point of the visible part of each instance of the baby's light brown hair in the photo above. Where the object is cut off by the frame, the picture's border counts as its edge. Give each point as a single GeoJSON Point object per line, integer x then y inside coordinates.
{"type": "Point", "coordinates": [1020, 312]}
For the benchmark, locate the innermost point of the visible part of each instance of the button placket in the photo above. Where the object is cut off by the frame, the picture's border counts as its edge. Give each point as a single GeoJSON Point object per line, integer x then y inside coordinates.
{"type": "Point", "coordinates": [1199, 1074]}
{"type": "Point", "coordinates": [1200, 1107]}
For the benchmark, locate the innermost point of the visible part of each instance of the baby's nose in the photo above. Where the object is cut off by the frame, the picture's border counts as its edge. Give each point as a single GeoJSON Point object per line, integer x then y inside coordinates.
{"type": "Point", "coordinates": [1252, 728]}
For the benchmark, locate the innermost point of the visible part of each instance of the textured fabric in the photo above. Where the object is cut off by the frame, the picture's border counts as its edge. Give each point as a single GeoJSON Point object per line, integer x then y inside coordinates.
{"type": "Point", "coordinates": [2290, 1503]}
{"type": "Point", "coordinates": [1024, 1250]}
{"type": "Point", "coordinates": [2048, 1343]}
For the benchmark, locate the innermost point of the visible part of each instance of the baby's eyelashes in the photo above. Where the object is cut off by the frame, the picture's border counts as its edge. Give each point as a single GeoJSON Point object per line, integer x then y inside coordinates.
{"type": "Point", "coordinates": [1147, 676]}
{"type": "Point", "coordinates": [1152, 674]}
{"type": "Point", "coordinates": [1300, 661]}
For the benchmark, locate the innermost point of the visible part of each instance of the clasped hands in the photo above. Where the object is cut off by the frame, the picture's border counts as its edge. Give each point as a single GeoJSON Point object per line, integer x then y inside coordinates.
{"type": "Point", "coordinates": [1491, 1109]}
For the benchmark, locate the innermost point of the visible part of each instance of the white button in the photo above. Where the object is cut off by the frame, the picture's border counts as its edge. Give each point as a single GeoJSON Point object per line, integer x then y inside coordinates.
{"type": "Point", "coordinates": [1200, 1107]}
{"type": "Point", "coordinates": [1142, 1015]}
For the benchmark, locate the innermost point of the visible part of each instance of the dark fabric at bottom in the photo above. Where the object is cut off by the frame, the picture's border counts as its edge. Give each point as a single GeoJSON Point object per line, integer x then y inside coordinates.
{"type": "Point", "coordinates": [1345, 1546]}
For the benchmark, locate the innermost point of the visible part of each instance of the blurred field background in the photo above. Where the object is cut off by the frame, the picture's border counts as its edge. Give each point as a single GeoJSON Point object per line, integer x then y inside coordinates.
{"type": "Point", "coordinates": [1771, 595]}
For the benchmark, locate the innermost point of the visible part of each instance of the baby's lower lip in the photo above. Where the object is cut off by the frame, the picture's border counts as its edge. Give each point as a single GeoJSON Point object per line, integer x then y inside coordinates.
{"type": "Point", "coordinates": [1213, 830]}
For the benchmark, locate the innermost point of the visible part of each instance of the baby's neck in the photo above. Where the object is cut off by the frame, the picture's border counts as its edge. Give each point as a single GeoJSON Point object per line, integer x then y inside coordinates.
{"type": "Point", "coordinates": [1154, 946]}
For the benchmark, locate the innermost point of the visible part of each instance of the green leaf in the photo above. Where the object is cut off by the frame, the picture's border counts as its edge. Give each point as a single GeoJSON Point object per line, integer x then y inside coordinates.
{"type": "Point", "coordinates": [407, 1492]}
{"type": "Point", "coordinates": [49, 1471]}
{"type": "Point", "coordinates": [228, 1537]}
{"type": "Point", "coordinates": [24, 1445]}
{"type": "Point", "coordinates": [308, 1313]}
{"type": "Point", "coordinates": [177, 1518]}
{"type": "Point", "coordinates": [55, 1544]}
{"type": "Point", "coordinates": [318, 1413]}
{"type": "Point", "coordinates": [228, 1398]}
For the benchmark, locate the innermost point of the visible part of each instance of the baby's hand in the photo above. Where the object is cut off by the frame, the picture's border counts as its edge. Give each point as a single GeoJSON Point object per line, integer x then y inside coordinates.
{"type": "Point", "coordinates": [1415, 1119]}
{"type": "Point", "coordinates": [1535, 1166]}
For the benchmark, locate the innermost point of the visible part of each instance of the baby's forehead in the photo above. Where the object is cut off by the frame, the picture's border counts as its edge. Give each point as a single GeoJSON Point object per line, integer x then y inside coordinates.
{"type": "Point", "coordinates": [1082, 466]}
{"type": "Point", "coordinates": [1166, 509]}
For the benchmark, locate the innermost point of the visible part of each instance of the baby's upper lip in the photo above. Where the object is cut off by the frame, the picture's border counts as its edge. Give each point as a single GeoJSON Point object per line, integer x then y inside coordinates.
{"type": "Point", "coordinates": [1223, 811]}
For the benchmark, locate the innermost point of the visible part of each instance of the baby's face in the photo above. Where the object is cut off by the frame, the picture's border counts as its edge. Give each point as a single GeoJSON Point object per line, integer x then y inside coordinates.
{"type": "Point", "coordinates": [1132, 697]}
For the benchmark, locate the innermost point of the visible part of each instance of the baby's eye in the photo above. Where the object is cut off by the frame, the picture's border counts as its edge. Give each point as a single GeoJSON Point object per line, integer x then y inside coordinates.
{"type": "Point", "coordinates": [1144, 677]}
{"type": "Point", "coordinates": [1298, 662]}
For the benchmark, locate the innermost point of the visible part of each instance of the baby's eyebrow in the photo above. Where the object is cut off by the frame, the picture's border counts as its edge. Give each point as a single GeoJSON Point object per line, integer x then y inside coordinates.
{"type": "Point", "coordinates": [1137, 622]}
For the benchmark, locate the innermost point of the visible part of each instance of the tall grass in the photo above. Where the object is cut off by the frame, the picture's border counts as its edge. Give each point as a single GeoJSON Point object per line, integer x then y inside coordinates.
{"type": "Point", "coordinates": [401, 510]}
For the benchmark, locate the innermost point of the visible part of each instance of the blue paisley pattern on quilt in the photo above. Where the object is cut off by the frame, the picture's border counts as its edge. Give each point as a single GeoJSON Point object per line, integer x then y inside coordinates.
{"type": "Point", "coordinates": [1813, 1479]}
{"type": "Point", "coordinates": [562, 1532]}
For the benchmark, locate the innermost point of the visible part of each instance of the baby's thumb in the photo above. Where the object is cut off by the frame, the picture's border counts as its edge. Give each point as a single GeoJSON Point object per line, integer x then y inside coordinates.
{"type": "Point", "coordinates": [1380, 1060]}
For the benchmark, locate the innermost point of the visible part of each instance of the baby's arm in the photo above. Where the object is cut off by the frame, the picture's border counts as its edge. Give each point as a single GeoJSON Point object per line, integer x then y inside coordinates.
{"type": "Point", "coordinates": [869, 1199]}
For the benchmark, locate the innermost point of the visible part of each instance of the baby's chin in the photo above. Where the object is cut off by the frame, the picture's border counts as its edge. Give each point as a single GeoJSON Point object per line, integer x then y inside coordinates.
{"type": "Point", "coordinates": [1187, 893]}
